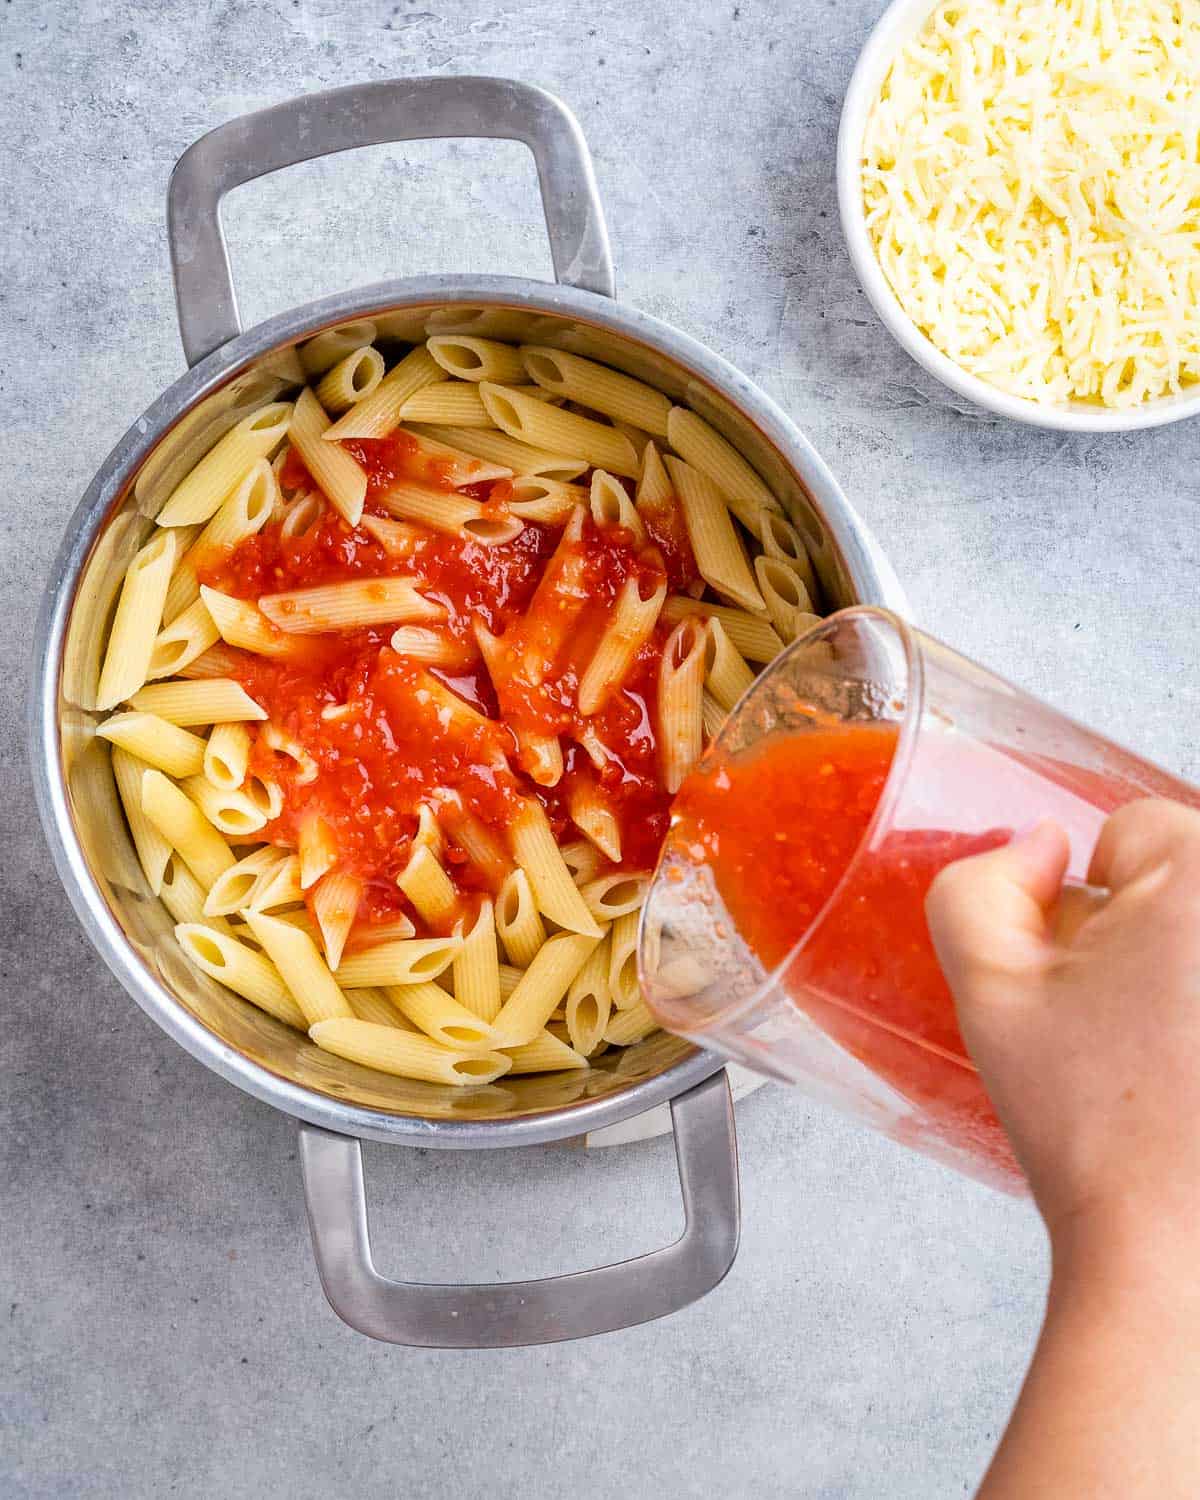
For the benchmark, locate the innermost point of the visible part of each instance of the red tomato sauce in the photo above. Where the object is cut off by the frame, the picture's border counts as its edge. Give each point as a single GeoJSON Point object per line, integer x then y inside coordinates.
{"type": "Point", "coordinates": [780, 827]}
{"type": "Point", "coordinates": [383, 746]}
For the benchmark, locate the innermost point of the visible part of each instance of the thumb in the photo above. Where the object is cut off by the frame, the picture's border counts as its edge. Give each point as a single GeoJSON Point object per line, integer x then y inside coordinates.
{"type": "Point", "coordinates": [988, 915]}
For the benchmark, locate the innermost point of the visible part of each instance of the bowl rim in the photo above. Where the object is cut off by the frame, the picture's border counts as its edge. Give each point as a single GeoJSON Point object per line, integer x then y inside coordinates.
{"type": "Point", "coordinates": [901, 20]}
{"type": "Point", "coordinates": [871, 574]}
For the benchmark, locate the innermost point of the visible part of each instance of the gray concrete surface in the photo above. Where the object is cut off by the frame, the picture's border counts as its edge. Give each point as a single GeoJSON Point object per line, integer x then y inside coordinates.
{"type": "Point", "coordinates": [161, 1327]}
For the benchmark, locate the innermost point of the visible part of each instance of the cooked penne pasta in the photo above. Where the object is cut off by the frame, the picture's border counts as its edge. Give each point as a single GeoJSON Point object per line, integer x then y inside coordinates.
{"type": "Point", "coordinates": [316, 849]}
{"type": "Point", "coordinates": [753, 635]}
{"type": "Point", "coordinates": [152, 847]}
{"type": "Point", "coordinates": [435, 648]}
{"type": "Point", "coordinates": [518, 921]}
{"type": "Point", "coordinates": [219, 660]}
{"type": "Point", "coordinates": [654, 488]}
{"type": "Point", "coordinates": [629, 627]}
{"type": "Point", "coordinates": [477, 966]}
{"type": "Point", "coordinates": [510, 977]}
{"type": "Point", "coordinates": [301, 967]}
{"type": "Point", "coordinates": [448, 465]}
{"type": "Point", "coordinates": [239, 969]}
{"type": "Point", "coordinates": [781, 539]}
{"type": "Point", "coordinates": [450, 403]}
{"type": "Point", "coordinates": [546, 427]}
{"type": "Point", "coordinates": [342, 479]}
{"type": "Point", "coordinates": [184, 896]}
{"type": "Point", "coordinates": [701, 446]}
{"type": "Point", "coordinates": [246, 511]}
{"type": "Point", "coordinates": [353, 378]}
{"type": "Point", "coordinates": [785, 596]}
{"type": "Point", "coordinates": [226, 465]}
{"type": "Point", "coordinates": [244, 625]}
{"type": "Point", "coordinates": [372, 934]}
{"type": "Point", "coordinates": [539, 755]}
{"type": "Point", "coordinates": [161, 745]}
{"type": "Point", "coordinates": [441, 1016]}
{"type": "Point", "coordinates": [335, 900]}
{"type": "Point", "coordinates": [348, 606]}
{"type": "Point", "coordinates": [636, 436]}
{"type": "Point", "coordinates": [712, 716]}
{"type": "Point", "coordinates": [630, 1025]}
{"type": "Point", "coordinates": [615, 895]}
{"type": "Point", "coordinates": [680, 694]}
{"type": "Point", "coordinates": [286, 744]}
{"type": "Point", "coordinates": [371, 1004]}
{"type": "Point", "coordinates": [279, 887]}
{"type": "Point", "coordinates": [533, 497]}
{"type": "Point", "coordinates": [542, 987]}
{"type": "Point", "coordinates": [623, 983]}
{"type": "Point", "coordinates": [484, 849]}
{"type": "Point", "coordinates": [429, 888]}
{"type": "Point", "coordinates": [583, 859]}
{"type": "Point", "coordinates": [538, 855]}
{"type": "Point", "coordinates": [476, 359]}
{"type": "Point", "coordinates": [185, 828]}
{"type": "Point", "coordinates": [407, 1053]}
{"type": "Point", "coordinates": [234, 889]}
{"type": "Point", "coordinates": [135, 625]}
{"type": "Point", "coordinates": [408, 961]}
{"type": "Point", "coordinates": [718, 550]}
{"type": "Point", "coordinates": [611, 506]}
{"type": "Point", "coordinates": [497, 447]}
{"type": "Point", "coordinates": [231, 811]}
{"type": "Point", "coordinates": [455, 515]}
{"type": "Point", "coordinates": [326, 350]}
{"type": "Point", "coordinates": [727, 675]}
{"type": "Point", "coordinates": [397, 538]}
{"type": "Point", "coordinates": [183, 641]}
{"type": "Point", "coordinates": [589, 1002]}
{"type": "Point", "coordinates": [592, 813]}
{"type": "Point", "coordinates": [379, 414]}
{"type": "Point", "coordinates": [546, 1053]}
{"type": "Point", "coordinates": [213, 700]}
{"type": "Point", "coordinates": [227, 755]}
{"type": "Point", "coordinates": [595, 385]}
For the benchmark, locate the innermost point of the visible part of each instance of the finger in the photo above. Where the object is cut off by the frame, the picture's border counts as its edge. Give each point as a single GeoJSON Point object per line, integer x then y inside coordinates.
{"type": "Point", "coordinates": [990, 913]}
{"type": "Point", "coordinates": [1142, 837]}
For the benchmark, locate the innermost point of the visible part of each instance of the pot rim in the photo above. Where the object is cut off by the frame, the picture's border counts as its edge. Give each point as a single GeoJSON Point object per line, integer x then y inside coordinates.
{"type": "Point", "coordinates": [873, 578]}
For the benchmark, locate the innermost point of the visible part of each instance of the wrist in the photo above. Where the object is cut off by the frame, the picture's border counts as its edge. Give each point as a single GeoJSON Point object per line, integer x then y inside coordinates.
{"type": "Point", "coordinates": [1129, 1249]}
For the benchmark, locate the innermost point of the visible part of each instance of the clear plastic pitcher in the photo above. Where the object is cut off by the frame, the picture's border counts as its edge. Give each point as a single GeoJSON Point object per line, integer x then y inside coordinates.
{"type": "Point", "coordinates": [857, 1012]}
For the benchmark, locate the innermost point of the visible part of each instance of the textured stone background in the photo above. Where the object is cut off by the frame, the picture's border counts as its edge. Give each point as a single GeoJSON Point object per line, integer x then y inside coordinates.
{"type": "Point", "coordinates": [161, 1330]}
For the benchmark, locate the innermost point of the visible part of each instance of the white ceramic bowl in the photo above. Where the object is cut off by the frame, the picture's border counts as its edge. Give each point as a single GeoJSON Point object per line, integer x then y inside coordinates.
{"type": "Point", "coordinates": [897, 26]}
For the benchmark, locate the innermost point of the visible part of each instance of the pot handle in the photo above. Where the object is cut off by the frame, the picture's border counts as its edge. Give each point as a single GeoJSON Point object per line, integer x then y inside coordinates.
{"type": "Point", "coordinates": [372, 114]}
{"type": "Point", "coordinates": [513, 1313]}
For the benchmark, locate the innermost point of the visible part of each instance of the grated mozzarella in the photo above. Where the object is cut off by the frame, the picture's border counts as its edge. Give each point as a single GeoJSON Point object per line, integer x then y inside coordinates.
{"type": "Point", "coordinates": [1031, 182]}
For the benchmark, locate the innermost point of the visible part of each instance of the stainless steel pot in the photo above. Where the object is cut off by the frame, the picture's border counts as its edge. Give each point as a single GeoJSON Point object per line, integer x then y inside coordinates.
{"type": "Point", "coordinates": [337, 1102]}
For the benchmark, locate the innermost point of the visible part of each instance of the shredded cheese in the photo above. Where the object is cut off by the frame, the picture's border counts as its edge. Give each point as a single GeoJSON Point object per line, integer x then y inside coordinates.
{"type": "Point", "coordinates": [1031, 183]}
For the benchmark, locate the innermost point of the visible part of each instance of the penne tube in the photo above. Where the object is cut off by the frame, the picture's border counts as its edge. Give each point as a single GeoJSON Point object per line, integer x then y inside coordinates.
{"type": "Point", "coordinates": [353, 378]}
{"type": "Point", "coordinates": [449, 466]}
{"type": "Point", "coordinates": [239, 969]}
{"type": "Point", "coordinates": [589, 1002]}
{"type": "Point", "coordinates": [618, 396]}
{"type": "Point", "coordinates": [365, 935]}
{"type": "Point", "coordinates": [630, 625]}
{"type": "Point", "coordinates": [231, 811]}
{"type": "Point", "coordinates": [518, 921]}
{"type": "Point", "coordinates": [623, 983]}
{"type": "Point", "coordinates": [591, 812]}
{"type": "Point", "coordinates": [781, 539]}
{"type": "Point", "coordinates": [397, 538]}
{"type": "Point", "coordinates": [371, 1004]}
{"type": "Point", "coordinates": [348, 606]}
{"type": "Point", "coordinates": [611, 506]}
{"type": "Point", "coordinates": [246, 511]}
{"type": "Point", "coordinates": [450, 403]}
{"type": "Point", "coordinates": [583, 859]}
{"type": "Point", "coordinates": [335, 901]}
{"type": "Point", "coordinates": [453, 514]}
{"type": "Point", "coordinates": [703, 448]}
{"type": "Point", "coordinates": [185, 828]}
{"type": "Point", "coordinates": [408, 961]}
{"type": "Point", "coordinates": [316, 849]}
{"type": "Point", "coordinates": [486, 853]}
{"type": "Point", "coordinates": [636, 435]}
{"type": "Point", "coordinates": [477, 966]}
{"type": "Point", "coordinates": [286, 744]}
{"type": "Point", "coordinates": [301, 967]}
{"type": "Point", "coordinates": [785, 596]}
{"type": "Point", "coordinates": [557, 602]}
{"type": "Point", "coordinates": [301, 515]}
{"type": "Point", "coordinates": [719, 554]}
{"type": "Point", "coordinates": [429, 835]}
{"type": "Point", "coordinates": [233, 890]}
{"type": "Point", "coordinates": [184, 897]}
{"type": "Point", "coordinates": [429, 888]}
{"type": "Point", "coordinates": [226, 465]}
{"type": "Point", "coordinates": [547, 427]}
{"type": "Point", "coordinates": [546, 1053]}
{"type": "Point", "coordinates": [226, 755]}
{"type": "Point", "coordinates": [680, 697]}
{"type": "Point", "coordinates": [436, 648]}
{"type": "Point", "coordinates": [510, 977]}
{"type": "Point", "coordinates": [215, 700]}
{"type": "Point", "coordinates": [497, 447]}
{"type": "Point", "coordinates": [280, 886]}
{"type": "Point", "coordinates": [187, 637]}
{"type": "Point", "coordinates": [542, 987]}
{"type": "Point", "coordinates": [341, 477]}
{"type": "Point", "coordinates": [332, 346]}
{"type": "Point", "coordinates": [440, 1016]}
{"type": "Point", "coordinates": [753, 635]}
{"type": "Point", "coordinates": [712, 716]}
{"type": "Point", "coordinates": [219, 660]}
{"type": "Point", "coordinates": [164, 746]}
{"type": "Point", "coordinates": [136, 622]}
{"type": "Point", "coordinates": [654, 487]}
{"type": "Point", "coordinates": [244, 625]}
{"type": "Point", "coordinates": [380, 412]}
{"type": "Point", "coordinates": [536, 852]}
{"type": "Point", "coordinates": [631, 1025]}
{"type": "Point", "coordinates": [615, 895]}
{"type": "Point", "coordinates": [539, 755]}
{"type": "Point", "coordinates": [152, 847]}
{"type": "Point", "coordinates": [727, 676]}
{"type": "Point", "coordinates": [407, 1054]}
{"type": "Point", "coordinates": [533, 497]}
{"type": "Point", "coordinates": [468, 358]}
